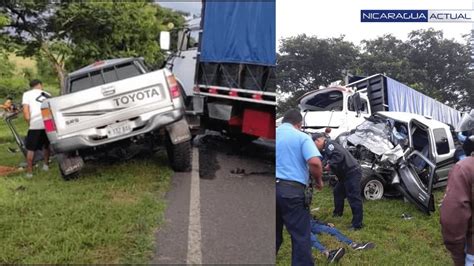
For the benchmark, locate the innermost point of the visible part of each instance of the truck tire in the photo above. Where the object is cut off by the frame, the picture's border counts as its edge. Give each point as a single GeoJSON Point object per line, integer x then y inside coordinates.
{"type": "Point", "coordinates": [179, 155]}
{"type": "Point", "coordinates": [372, 187]}
{"type": "Point", "coordinates": [65, 161]}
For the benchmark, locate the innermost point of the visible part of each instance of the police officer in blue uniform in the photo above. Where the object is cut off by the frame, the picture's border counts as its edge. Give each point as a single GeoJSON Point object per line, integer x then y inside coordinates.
{"type": "Point", "coordinates": [296, 157]}
{"type": "Point", "coordinates": [348, 172]}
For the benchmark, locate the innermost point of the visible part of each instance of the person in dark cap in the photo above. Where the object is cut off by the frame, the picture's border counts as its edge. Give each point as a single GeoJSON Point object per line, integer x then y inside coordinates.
{"type": "Point", "coordinates": [348, 172]}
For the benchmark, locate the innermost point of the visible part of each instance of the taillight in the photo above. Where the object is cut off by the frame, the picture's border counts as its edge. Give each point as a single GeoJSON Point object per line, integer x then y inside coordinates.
{"type": "Point", "coordinates": [173, 86]}
{"type": "Point", "coordinates": [49, 125]}
{"type": "Point", "coordinates": [257, 96]}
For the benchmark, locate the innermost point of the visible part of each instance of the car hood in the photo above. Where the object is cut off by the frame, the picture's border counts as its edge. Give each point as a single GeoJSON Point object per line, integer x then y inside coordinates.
{"type": "Point", "coordinates": [377, 137]}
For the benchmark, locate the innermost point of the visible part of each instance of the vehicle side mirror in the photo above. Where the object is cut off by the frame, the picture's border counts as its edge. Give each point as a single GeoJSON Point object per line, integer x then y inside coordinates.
{"type": "Point", "coordinates": [357, 102]}
{"type": "Point", "coordinates": [183, 40]}
{"type": "Point", "coordinates": [165, 40]}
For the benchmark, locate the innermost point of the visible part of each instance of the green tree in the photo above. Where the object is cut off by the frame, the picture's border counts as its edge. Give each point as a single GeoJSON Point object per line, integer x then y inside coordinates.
{"type": "Point", "coordinates": [107, 30]}
{"type": "Point", "coordinates": [307, 62]}
{"type": "Point", "coordinates": [385, 54]}
{"type": "Point", "coordinates": [45, 70]}
{"type": "Point", "coordinates": [426, 61]}
{"type": "Point", "coordinates": [30, 29]}
{"type": "Point", "coordinates": [71, 35]}
{"type": "Point", "coordinates": [440, 65]}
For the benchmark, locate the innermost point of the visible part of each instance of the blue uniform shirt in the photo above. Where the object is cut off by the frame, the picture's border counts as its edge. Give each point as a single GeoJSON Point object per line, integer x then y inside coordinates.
{"type": "Point", "coordinates": [293, 149]}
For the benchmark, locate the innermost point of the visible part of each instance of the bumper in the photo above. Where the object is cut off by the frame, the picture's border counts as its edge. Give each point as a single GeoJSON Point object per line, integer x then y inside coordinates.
{"type": "Point", "coordinates": [79, 142]}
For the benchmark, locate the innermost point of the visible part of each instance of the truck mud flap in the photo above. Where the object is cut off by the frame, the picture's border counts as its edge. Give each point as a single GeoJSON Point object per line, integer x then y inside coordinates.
{"type": "Point", "coordinates": [69, 164]}
{"type": "Point", "coordinates": [179, 131]}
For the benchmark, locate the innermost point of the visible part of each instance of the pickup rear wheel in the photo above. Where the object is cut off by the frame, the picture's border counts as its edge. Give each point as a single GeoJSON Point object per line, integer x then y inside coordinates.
{"type": "Point", "coordinates": [179, 155]}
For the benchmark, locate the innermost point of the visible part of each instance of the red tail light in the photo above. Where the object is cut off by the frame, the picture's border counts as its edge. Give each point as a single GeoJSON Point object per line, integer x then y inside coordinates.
{"type": "Point", "coordinates": [213, 90]}
{"type": "Point", "coordinates": [233, 93]}
{"type": "Point", "coordinates": [173, 86]}
{"type": "Point", "coordinates": [257, 97]}
{"type": "Point", "coordinates": [49, 125]}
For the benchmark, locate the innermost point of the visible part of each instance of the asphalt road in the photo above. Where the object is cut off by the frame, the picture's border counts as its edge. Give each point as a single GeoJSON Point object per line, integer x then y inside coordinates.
{"type": "Point", "coordinates": [232, 218]}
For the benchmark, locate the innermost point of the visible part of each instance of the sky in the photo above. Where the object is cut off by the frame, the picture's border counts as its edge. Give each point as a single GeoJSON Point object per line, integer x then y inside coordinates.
{"type": "Point", "coordinates": [332, 18]}
{"type": "Point", "coordinates": [192, 7]}
{"type": "Point", "coordinates": [342, 17]}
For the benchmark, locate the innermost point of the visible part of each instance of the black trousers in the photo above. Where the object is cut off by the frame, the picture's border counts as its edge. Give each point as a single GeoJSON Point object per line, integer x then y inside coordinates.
{"type": "Point", "coordinates": [292, 213]}
{"type": "Point", "coordinates": [349, 187]}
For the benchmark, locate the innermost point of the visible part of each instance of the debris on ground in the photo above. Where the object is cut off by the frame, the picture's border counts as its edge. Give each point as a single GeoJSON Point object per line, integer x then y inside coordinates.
{"type": "Point", "coordinates": [20, 188]}
{"type": "Point", "coordinates": [406, 216]}
{"type": "Point", "coordinates": [6, 170]}
{"type": "Point", "coordinates": [241, 172]}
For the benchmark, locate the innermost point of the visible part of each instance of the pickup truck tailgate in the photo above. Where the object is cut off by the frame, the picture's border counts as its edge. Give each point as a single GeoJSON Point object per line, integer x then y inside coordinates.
{"type": "Point", "coordinates": [110, 103]}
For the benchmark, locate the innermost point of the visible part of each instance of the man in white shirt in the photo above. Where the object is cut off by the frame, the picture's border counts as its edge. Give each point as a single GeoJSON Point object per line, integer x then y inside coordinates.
{"type": "Point", "coordinates": [36, 138]}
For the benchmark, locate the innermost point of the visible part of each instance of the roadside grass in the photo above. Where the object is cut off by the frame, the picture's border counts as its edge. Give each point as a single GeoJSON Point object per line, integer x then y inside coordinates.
{"type": "Point", "coordinates": [398, 242]}
{"type": "Point", "coordinates": [30, 63]}
{"type": "Point", "coordinates": [5, 133]}
{"type": "Point", "coordinates": [109, 215]}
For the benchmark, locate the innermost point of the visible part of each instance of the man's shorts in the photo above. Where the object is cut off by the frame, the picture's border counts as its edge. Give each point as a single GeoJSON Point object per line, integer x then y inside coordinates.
{"type": "Point", "coordinates": [36, 140]}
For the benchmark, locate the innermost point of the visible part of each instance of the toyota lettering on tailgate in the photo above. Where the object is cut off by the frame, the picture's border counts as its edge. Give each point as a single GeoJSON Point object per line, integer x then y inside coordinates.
{"type": "Point", "coordinates": [136, 97]}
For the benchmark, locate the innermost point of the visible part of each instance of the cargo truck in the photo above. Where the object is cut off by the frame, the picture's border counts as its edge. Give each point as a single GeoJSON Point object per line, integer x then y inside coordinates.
{"type": "Point", "coordinates": [344, 108]}
{"type": "Point", "coordinates": [230, 59]}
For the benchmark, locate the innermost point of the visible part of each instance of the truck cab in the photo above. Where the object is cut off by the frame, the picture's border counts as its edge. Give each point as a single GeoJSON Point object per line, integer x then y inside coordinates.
{"type": "Point", "coordinates": [226, 66]}
{"type": "Point", "coordinates": [182, 62]}
{"type": "Point", "coordinates": [338, 108]}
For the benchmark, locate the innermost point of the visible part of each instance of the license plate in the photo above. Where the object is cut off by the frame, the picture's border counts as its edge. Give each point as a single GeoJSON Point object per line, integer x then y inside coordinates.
{"type": "Point", "coordinates": [119, 129]}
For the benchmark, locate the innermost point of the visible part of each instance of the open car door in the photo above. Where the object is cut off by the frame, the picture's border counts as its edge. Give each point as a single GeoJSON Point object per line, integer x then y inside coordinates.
{"type": "Point", "coordinates": [9, 120]}
{"type": "Point", "coordinates": [417, 172]}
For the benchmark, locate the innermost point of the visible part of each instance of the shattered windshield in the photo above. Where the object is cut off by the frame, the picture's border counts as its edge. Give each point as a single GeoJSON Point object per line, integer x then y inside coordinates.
{"type": "Point", "coordinates": [325, 101]}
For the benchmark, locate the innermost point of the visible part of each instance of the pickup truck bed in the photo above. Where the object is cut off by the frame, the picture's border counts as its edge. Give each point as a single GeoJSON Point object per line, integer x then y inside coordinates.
{"type": "Point", "coordinates": [131, 102]}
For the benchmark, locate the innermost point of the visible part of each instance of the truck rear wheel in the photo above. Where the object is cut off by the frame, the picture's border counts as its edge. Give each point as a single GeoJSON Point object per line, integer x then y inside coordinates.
{"type": "Point", "coordinates": [179, 155]}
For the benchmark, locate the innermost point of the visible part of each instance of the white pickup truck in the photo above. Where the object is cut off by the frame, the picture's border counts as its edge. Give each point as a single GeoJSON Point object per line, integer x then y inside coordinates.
{"type": "Point", "coordinates": [112, 105]}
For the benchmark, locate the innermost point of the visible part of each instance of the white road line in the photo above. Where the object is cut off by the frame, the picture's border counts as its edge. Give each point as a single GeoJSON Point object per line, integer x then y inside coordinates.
{"type": "Point", "coordinates": [194, 229]}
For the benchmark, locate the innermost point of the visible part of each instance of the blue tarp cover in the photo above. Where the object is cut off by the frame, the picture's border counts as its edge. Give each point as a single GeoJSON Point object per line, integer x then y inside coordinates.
{"type": "Point", "coordinates": [239, 32]}
{"type": "Point", "coordinates": [402, 98]}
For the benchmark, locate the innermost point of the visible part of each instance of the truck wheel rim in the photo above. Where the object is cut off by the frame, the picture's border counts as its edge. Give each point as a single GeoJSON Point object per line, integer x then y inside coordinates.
{"type": "Point", "coordinates": [373, 190]}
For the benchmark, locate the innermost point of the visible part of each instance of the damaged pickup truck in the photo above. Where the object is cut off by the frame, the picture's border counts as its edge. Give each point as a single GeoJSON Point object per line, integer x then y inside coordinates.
{"type": "Point", "coordinates": [114, 108]}
{"type": "Point", "coordinates": [402, 154]}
